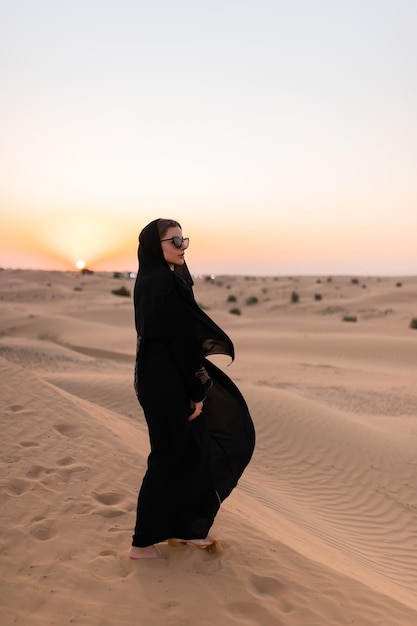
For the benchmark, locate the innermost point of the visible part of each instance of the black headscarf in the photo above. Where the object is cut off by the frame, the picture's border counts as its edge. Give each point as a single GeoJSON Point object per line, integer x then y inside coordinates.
{"type": "Point", "coordinates": [150, 254]}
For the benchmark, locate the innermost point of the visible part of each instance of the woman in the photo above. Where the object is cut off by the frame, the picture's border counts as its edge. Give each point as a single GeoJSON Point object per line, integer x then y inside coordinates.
{"type": "Point", "coordinates": [201, 433]}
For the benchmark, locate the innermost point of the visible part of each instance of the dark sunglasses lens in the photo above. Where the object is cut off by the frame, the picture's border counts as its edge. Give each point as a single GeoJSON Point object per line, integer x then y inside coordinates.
{"type": "Point", "coordinates": [177, 241]}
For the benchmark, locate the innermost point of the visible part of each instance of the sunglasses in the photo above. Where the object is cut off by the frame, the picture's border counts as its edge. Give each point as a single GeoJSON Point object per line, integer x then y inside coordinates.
{"type": "Point", "coordinates": [179, 241]}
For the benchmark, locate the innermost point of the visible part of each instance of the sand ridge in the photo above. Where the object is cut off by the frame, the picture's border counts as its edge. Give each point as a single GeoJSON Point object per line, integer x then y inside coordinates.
{"type": "Point", "coordinates": [322, 528]}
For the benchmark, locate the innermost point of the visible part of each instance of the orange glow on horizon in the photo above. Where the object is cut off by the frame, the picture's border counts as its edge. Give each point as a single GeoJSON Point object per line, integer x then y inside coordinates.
{"type": "Point", "coordinates": [63, 239]}
{"type": "Point", "coordinates": [232, 245]}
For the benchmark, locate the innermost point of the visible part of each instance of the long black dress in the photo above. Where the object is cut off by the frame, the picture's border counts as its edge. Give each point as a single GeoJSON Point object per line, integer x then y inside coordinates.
{"type": "Point", "coordinates": [193, 466]}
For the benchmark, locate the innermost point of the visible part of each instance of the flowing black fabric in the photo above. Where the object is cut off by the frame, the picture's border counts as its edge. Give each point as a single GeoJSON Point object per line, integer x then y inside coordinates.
{"type": "Point", "coordinates": [192, 466]}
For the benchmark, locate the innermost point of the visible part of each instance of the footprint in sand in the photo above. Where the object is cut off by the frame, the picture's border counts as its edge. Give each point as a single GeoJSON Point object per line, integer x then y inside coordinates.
{"type": "Point", "coordinates": [108, 564]}
{"type": "Point", "coordinates": [266, 585]}
{"type": "Point", "coordinates": [66, 429]}
{"type": "Point", "coordinates": [66, 474]}
{"type": "Point", "coordinates": [9, 460]}
{"type": "Point", "coordinates": [75, 506]}
{"type": "Point", "coordinates": [108, 499]}
{"type": "Point", "coordinates": [67, 466]}
{"type": "Point", "coordinates": [43, 529]}
{"type": "Point", "coordinates": [35, 471]}
{"type": "Point", "coordinates": [66, 460]}
{"type": "Point", "coordinates": [29, 444]}
{"type": "Point", "coordinates": [15, 408]}
{"type": "Point", "coordinates": [107, 553]}
{"type": "Point", "coordinates": [17, 486]}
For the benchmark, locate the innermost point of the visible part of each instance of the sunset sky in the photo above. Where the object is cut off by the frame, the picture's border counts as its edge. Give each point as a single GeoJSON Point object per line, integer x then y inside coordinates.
{"type": "Point", "coordinates": [281, 134]}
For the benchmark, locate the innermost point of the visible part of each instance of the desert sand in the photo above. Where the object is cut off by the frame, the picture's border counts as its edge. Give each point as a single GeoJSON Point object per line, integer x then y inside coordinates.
{"type": "Point", "coordinates": [322, 529]}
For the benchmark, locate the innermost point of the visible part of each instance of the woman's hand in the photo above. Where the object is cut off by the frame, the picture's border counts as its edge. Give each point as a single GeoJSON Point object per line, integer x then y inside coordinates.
{"type": "Point", "coordinates": [196, 408]}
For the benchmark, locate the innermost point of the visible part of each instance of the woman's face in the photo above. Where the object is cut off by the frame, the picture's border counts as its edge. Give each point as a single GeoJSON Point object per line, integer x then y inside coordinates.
{"type": "Point", "coordinates": [172, 255]}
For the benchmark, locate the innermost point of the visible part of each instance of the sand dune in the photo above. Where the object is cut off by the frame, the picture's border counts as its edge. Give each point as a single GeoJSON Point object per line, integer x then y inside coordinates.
{"type": "Point", "coordinates": [322, 529]}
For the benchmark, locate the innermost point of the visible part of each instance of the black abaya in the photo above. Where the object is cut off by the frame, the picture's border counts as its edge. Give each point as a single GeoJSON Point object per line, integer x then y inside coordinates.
{"type": "Point", "coordinates": [193, 465]}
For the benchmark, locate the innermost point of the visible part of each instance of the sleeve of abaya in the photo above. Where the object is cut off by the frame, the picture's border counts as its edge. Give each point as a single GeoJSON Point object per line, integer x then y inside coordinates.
{"type": "Point", "coordinates": [186, 349]}
{"type": "Point", "coordinates": [186, 352]}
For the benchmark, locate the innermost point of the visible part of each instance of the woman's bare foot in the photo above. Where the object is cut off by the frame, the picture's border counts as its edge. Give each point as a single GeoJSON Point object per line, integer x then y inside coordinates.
{"type": "Point", "coordinates": [149, 552]}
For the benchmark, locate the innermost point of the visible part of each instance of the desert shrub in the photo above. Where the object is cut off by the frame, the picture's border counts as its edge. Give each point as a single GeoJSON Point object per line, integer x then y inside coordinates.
{"type": "Point", "coordinates": [399, 285]}
{"type": "Point", "coordinates": [232, 298]}
{"type": "Point", "coordinates": [318, 280]}
{"type": "Point", "coordinates": [294, 297]}
{"type": "Point", "coordinates": [117, 275]}
{"type": "Point", "coordinates": [355, 281]}
{"type": "Point", "coordinates": [252, 300]}
{"type": "Point", "coordinates": [121, 291]}
{"type": "Point", "coordinates": [413, 323]}
{"type": "Point", "coordinates": [350, 318]}
{"type": "Point", "coordinates": [78, 288]}
{"type": "Point", "coordinates": [329, 280]}
{"type": "Point", "coordinates": [318, 296]}
{"type": "Point", "coordinates": [363, 286]}
{"type": "Point", "coordinates": [235, 311]}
